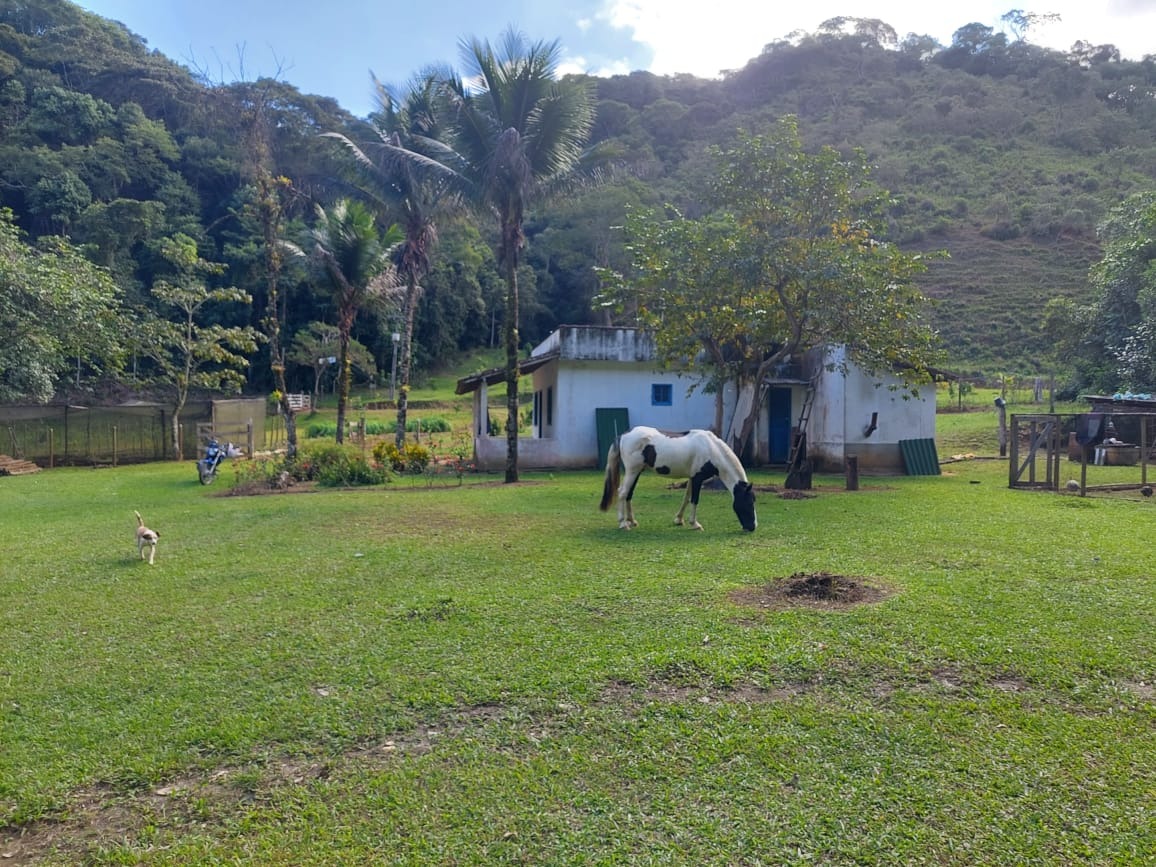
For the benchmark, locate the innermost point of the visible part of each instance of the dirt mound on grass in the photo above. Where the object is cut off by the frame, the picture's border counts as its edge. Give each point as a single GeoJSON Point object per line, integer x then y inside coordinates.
{"type": "Point", "coordinates": [812, 590]}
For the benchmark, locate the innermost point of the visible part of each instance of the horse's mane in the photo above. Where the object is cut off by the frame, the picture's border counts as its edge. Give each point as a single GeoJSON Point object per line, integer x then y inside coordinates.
{"type": "Point", "coordinates": [728, 457]}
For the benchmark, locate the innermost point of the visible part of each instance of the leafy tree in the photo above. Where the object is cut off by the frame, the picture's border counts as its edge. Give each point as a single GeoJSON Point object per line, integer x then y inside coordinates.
{"type": "Point", "coordinates": [978, 49]}
{"type": "Point", "coordinates": [790, 261]}
{"type": "Point", "coordinates": [61, 116]}
{"type": "Point", "coordinates": [267, 208]}
{"type": "Point", "coordinates": [519, 131]}
{"type": "Point", "coordinates": [57, 201]}
{"type": "Point", "coordinates": [1020, 22]}
{"type": "Point", "coordinates": [111, 230]}
{"type": "Point", "coordinates": [355, 259]}
{"type": "Point", "coordinates": [462, 296]}
{"type": "Point", "coordinates": [57, 309]}
{"type": "Point", "coordinates": [189, 353]}
{"type": "Point", "coordinates": [1125, 279]}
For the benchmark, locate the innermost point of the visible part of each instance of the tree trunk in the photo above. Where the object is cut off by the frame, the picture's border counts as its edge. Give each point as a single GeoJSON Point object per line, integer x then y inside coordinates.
{"type": "Point", "coordinates": [270, 215]}
{"type": "Point", "coordinates": [511, 366]}
{"type": "Point", "coordinates": [411, 296]}
{"type": "Point", "coordinates": [177, 435]}
{"type": "Point", "coordinates": [344, 374]}
{"type": "Point", "coordinates": [290, 429]}
{"type": "Point", "coordinates": [178, 408]}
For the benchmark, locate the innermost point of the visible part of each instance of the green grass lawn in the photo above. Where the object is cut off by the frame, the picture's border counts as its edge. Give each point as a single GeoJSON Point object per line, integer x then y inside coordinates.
{"type": "Point", "coordinates": [496, 674]}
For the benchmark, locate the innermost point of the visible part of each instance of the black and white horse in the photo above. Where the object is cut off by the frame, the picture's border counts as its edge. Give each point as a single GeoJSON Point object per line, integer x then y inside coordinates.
{"type": "Point", "coordinates": [697, 455]}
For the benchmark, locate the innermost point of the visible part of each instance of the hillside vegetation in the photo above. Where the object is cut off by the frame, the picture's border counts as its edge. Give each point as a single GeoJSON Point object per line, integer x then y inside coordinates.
{"type": "Point", "coordinates": [1001, 153]}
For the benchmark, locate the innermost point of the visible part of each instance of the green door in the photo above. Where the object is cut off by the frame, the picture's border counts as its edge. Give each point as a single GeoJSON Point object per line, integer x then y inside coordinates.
{"type": "Point", "coordinates": [611, 424]}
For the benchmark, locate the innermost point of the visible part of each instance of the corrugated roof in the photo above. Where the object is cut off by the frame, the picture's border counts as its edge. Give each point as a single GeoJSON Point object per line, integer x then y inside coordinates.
{"type": "Point", "coordinates": [498, 374]}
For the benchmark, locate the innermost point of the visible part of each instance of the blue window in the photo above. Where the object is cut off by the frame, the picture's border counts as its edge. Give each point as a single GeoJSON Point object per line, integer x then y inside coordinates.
{"type": "Point", "coordinates": [661, 394]}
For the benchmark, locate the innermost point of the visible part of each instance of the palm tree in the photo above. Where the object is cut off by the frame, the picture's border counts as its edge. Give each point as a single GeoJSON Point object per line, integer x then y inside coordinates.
{"type": "Point", "coordinates": [403, 177]}
{"type": "Point", "coordinates": [355, 257]}
{"type": "Point", "coordinates": [515, 132]}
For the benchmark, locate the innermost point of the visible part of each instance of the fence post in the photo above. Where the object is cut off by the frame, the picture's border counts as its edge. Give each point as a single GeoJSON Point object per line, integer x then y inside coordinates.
{"type": "Point", "coordinates": [51, 448]}
{"type": "Point", "coordinates": [1001, 409]}
{"type": "Point", "coordinates": [114, 444]}
{"type": "Point", "coordinates": [852, 472]}
{"type": "Point", "coordinates": [249, 436]}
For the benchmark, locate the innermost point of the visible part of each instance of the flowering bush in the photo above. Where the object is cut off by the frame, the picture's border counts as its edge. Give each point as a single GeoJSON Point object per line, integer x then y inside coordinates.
{"type": "Point", "coordinates": [335, 465]}
{"type": "Point", "coordinates": [329, 465]}
{"type": "Point", "coordinates": [413, 459]}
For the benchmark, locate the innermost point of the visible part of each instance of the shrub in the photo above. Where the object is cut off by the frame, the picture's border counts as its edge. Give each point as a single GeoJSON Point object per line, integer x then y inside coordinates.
{"type": "Point", "coordinates": [262, 472]}
{"type": "Point", "coordinates": [436, 424]}
{"type": "Point", "coordinates": [333, 465]}
{"type": "Point", "coordinates": [414, 458]}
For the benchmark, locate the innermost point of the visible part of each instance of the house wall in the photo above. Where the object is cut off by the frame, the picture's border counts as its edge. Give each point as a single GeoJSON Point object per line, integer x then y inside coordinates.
{"type": "Point", "coordinates": [611, 368]}
{"type": "Point", "coordinates": [842, 412]}
{"type": "Point", "coordinates": [566, 437]}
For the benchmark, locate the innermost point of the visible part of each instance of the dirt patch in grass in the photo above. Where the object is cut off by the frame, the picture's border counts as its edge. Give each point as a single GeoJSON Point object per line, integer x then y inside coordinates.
{"type": "Point", "coordinates": [1138, 688]}
{"type": "Point", "coordinates": [261, 488]}
{"type": "Point", "coordinates": [817, 490]}
{"type": "Point", "coordinates": [418, 483]}
{"type": "Point", "coordinates": [631, 697]}
{"type": "Point", "coordinates": [812, 590]}
{"type": "Point", "coordinates": [103, 815]}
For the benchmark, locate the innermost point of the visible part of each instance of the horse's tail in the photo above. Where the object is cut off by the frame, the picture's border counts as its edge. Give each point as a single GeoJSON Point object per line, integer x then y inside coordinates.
{"type": "Point", "coordinates": [610, 484]}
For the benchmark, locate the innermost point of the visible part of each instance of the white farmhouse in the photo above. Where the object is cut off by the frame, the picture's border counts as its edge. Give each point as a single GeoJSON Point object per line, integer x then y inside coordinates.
{"type": "Point", "coordinates": [591, 383]}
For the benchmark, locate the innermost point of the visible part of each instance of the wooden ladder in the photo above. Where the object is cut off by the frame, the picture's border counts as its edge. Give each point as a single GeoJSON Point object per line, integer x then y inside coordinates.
{"type": "Point", "coordinates": [804, 416]}
{"type": "Point", "coordinates": [798, 467]}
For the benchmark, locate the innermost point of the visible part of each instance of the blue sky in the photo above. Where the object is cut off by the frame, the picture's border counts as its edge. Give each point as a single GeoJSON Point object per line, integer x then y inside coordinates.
{"type": "Point", "coordinates": [329, 47]}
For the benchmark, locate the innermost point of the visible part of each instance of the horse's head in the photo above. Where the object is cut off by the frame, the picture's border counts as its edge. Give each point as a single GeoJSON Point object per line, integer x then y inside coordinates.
{"type": "Point", "coordinates": [744, 505]}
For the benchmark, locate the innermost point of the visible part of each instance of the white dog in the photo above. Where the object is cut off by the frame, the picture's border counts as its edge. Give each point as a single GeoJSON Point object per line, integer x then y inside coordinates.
{"type": "Point", "coordinates": [145, 536]}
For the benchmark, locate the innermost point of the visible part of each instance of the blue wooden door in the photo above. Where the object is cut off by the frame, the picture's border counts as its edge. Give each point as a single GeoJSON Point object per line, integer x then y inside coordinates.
{"type": "Point", "coordinates": [779, 404]}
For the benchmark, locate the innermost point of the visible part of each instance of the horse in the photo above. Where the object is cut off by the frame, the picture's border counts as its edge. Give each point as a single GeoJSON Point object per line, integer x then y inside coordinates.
{"type": "Point", "coordinates": [697, 455]}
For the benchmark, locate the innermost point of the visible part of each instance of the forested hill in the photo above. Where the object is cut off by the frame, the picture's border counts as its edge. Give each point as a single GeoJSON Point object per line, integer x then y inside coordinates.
{"type": "Point", "coordinates": [1001, 153]}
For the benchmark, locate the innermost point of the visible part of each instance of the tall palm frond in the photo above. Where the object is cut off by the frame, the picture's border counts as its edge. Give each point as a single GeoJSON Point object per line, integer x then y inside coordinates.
{"type": "Point", "coordinates": [399, 173]}
{"type": "Point", "coordinates": [516, 131]}
{"type": "Point", "coordinates": [356, 259]}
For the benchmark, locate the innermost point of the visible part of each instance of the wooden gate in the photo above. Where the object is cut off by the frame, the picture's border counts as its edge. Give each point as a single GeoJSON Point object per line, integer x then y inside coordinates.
{"type": "Point", "coordinates": [1042, 434]}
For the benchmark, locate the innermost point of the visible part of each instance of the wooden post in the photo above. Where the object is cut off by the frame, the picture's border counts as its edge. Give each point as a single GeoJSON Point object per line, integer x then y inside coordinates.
{"type": "Point", "coordinates": [852, 472]}
{"type": "Point", "coordinates": [1001, 408]}
{"type": "Point", "coordinates": [1143, 450]}
{"type": "Point", "coordinates": [51, 448]}
{"type": "Point", "coordinates": [114, 445]}
{"type": "Point", "coordinates": [1013, 465]}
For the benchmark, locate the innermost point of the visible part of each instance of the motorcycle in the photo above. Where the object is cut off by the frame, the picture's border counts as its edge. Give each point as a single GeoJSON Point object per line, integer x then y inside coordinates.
{"type": "Point", "coordinates": [208, 465]}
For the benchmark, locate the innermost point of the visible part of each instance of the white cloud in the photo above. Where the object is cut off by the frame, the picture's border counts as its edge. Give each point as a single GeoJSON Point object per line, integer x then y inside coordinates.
{"type": "Point", "coordinates": [703, 39]}
{"type": "Point", "coordinates": [581, 65]}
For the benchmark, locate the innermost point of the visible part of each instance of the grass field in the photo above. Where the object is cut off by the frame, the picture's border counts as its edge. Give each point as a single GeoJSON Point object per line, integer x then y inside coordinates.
{"type": "Point", "coordinates": [494, 674]}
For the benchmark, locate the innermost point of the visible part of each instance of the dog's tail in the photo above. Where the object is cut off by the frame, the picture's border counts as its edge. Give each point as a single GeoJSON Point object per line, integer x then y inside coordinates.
{"type": "Point", "coordinates": [610, 483]}
{"type": "Point", "coordinates": [139, 519]}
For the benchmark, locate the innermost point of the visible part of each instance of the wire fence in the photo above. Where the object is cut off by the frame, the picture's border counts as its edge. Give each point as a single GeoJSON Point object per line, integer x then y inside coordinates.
{"type": "Point", "coordinates": [138, 432]}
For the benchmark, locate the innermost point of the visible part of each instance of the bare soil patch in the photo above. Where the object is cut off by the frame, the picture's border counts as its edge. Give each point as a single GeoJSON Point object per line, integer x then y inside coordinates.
{"type": "Point", "coordinates": [812, 590]}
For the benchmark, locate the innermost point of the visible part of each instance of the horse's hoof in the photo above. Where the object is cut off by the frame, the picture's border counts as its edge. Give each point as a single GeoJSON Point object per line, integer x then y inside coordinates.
{"type": "Point", "coordinates": [696, 526]}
